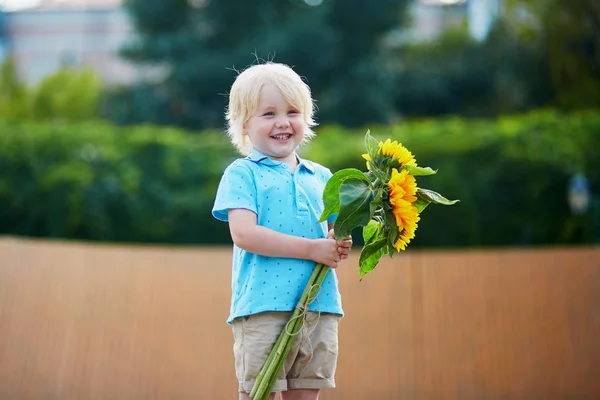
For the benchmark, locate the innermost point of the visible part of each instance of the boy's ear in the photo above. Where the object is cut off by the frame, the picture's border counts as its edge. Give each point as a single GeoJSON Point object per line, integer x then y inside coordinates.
{"type": "Point", "coordinates": [244, 130]}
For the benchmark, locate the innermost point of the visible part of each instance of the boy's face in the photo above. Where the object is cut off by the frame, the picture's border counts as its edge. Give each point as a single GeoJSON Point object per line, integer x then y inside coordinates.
{"type": "Point", "coordinates": [276, 129]}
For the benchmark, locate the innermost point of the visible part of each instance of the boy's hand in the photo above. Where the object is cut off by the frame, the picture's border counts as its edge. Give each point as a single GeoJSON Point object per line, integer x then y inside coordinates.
{"type": "Point", "coordinates": [344, 245]}
{"type": "Point", "coordinates": [324, 251]}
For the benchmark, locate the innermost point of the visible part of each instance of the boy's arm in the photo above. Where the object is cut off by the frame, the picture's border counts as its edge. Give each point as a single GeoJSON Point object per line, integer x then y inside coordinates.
{"type": "Point", "coordinates": [250, 236]}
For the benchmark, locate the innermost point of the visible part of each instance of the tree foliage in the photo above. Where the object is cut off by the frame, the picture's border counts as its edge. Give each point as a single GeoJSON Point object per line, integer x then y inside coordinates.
{"type": "Point", "coordinates": [540, 53]}
{"type": "Point", "coordinates": [69, 95]}
{"type": "Point", "coordinates": [456, 74]}
{"type": "Point", "coordinates": [95, 181]}
{"type": "Point", "coordinates": [335, 46]}
{"type": "Point", "coordinates": [568, 32]}
{"type": "Point", "coordinates": [13, 94]}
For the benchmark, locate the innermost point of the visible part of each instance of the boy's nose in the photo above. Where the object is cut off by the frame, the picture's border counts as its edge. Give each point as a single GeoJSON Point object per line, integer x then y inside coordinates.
{"type": "Point", "coordinates": [282, 122]}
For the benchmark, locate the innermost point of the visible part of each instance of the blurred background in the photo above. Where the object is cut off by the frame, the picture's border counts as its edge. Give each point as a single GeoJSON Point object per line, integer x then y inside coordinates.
{"type": "Point", "coordinates": [112, 147]}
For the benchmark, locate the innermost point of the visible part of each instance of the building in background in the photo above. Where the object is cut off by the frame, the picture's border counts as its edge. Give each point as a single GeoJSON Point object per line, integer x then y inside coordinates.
{"type": "Point", "coordinates": [481, 15]}
{"type": "Point", "coordinates": [76, 33]}
{"type": "Point", "coordinates": [430, 18]}
{"type": "Point", "coordinates": [89, 33]}
{"type": "Point", "coordinates": [3, 40]}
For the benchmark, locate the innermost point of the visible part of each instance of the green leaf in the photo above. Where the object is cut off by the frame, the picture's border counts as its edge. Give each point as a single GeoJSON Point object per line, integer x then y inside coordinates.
{"type": "Point", "coordinates": [331, 195]}
{"type": "Point", "coordinates": [419, 171]}
{"type": "Point", "coordinates": [391, 250]}
{"type": "Point", "coordinates": [370, 230]}
{"type": "Point", "coordinates": [421, 204]}
{"type": "Point", "coordinates": [377, 201]}
{"type": "Point", "coordinates": [371, 144]}
{"type": "Point", "coordinates": [355, 199]}
{"type": "Point", "coordinates": [378, 173]}
{"type": "Point", "coordinates": [434, 197]}
{"type": "Point", "coordinates": [370, 255]}
{"type": "Point", "coordinates": [391, 230]}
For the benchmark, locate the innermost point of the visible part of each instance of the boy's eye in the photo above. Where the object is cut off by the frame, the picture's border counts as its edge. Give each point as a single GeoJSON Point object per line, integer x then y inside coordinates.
{"type": "Point", "coordinates": [269, 113]}
{"type": "Point", "coordinates": [293, 112]}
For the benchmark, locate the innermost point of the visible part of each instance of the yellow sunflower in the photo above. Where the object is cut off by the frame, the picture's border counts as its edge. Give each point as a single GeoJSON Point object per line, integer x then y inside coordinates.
{"type": "Point", "coordinates": [403, 189]}
{"type": "Point", "coordinates": [404, 239]}
{"type": "Point", "coordinates": [403, 186]}
{"type": "Point", "coordinates": [393, 150]}
{"type": "Point", "coordinates": [368, 158]}
{"type": "Point", "coordinates": [396, 150]}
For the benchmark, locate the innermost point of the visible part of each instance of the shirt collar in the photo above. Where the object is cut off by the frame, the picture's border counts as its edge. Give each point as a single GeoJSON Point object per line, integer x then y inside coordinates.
{"type": "Point", "coordinates": [306, 164]}
{"type": "Point", "coordinates": [258, 157]}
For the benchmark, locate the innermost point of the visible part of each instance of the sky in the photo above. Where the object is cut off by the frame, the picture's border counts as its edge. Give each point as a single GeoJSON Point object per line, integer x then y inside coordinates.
{"type": "Point", "coordinates": [15, 5]}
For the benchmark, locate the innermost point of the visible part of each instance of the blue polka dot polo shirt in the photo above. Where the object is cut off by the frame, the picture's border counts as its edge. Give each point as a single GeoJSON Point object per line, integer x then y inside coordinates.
{"type": "Point", "coordinates": [286, 201]}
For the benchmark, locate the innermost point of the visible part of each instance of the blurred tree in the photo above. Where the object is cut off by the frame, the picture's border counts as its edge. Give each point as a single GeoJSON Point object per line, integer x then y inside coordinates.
{"type": "Point", "coordinates": [569, 32]}
{"type": "Point", "coordinates": [67, 94]}
{"type": "Point", "coordinates": [14, 101]}
{"type": "Point", "coordinates": [334, 45]}
{"type": "Point", "coordinates": [455, 74]}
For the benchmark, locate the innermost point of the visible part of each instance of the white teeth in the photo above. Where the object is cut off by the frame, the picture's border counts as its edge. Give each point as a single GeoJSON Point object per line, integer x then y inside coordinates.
{"type": "Point", "coordinates": [281, 137]}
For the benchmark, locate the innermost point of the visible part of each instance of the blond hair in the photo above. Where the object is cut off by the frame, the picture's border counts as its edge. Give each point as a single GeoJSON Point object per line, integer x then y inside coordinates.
{"type": "Point", "coordinates": [245, 94]}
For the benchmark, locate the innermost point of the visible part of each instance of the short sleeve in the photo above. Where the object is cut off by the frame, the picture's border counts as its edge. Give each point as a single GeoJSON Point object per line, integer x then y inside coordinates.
{"type": "Point", "coordinates": [236, 190]}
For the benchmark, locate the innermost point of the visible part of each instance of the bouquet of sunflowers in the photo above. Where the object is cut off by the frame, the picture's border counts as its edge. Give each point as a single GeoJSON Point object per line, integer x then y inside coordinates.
{"type": "Point", "coordinates": [386, 202]}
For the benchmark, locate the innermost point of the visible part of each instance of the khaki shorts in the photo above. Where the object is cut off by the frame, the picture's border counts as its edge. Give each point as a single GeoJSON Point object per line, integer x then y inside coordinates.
{"type": "Point", "coordinates": [311, 362]}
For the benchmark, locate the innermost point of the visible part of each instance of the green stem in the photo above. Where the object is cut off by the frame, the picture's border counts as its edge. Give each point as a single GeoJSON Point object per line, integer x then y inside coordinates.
{"type": "Point", "coordinates": [270, 359]}
{"type": "Point", "coordinates": [276, 360]}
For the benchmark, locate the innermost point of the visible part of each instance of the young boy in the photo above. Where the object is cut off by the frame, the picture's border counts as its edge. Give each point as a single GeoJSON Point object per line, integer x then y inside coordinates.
{"type": "Point", "coordinates": [272, 200]}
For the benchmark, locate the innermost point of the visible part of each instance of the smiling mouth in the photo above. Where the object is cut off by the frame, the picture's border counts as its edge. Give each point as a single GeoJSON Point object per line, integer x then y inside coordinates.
{"type": "Point", "coordinates": [282, 137]}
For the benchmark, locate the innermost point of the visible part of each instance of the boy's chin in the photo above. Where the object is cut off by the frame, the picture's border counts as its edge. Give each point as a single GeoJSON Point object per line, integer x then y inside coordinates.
{"type": "Point", "coordinates": [282, 151]}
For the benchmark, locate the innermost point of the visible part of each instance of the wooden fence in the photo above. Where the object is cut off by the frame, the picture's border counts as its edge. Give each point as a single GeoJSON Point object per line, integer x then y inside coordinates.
{"type": "Point", "coordinates": [83, 321]}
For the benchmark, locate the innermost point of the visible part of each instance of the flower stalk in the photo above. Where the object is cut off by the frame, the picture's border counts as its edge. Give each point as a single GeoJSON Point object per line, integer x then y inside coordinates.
{"type": "Point", "coordinates": [276, 360]}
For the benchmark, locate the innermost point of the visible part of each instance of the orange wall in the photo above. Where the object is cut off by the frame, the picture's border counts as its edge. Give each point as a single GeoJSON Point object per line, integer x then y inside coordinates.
{"type": "Point", "coordinates": [80, 321]}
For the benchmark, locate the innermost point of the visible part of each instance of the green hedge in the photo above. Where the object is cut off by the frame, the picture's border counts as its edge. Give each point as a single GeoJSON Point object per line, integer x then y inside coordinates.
{"type": "Point", "coordinates": [96, 181]}
{"type": "Point", "coordinates": [511, 175]}
{"type": "Point", "coordinates": [99, 182]}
